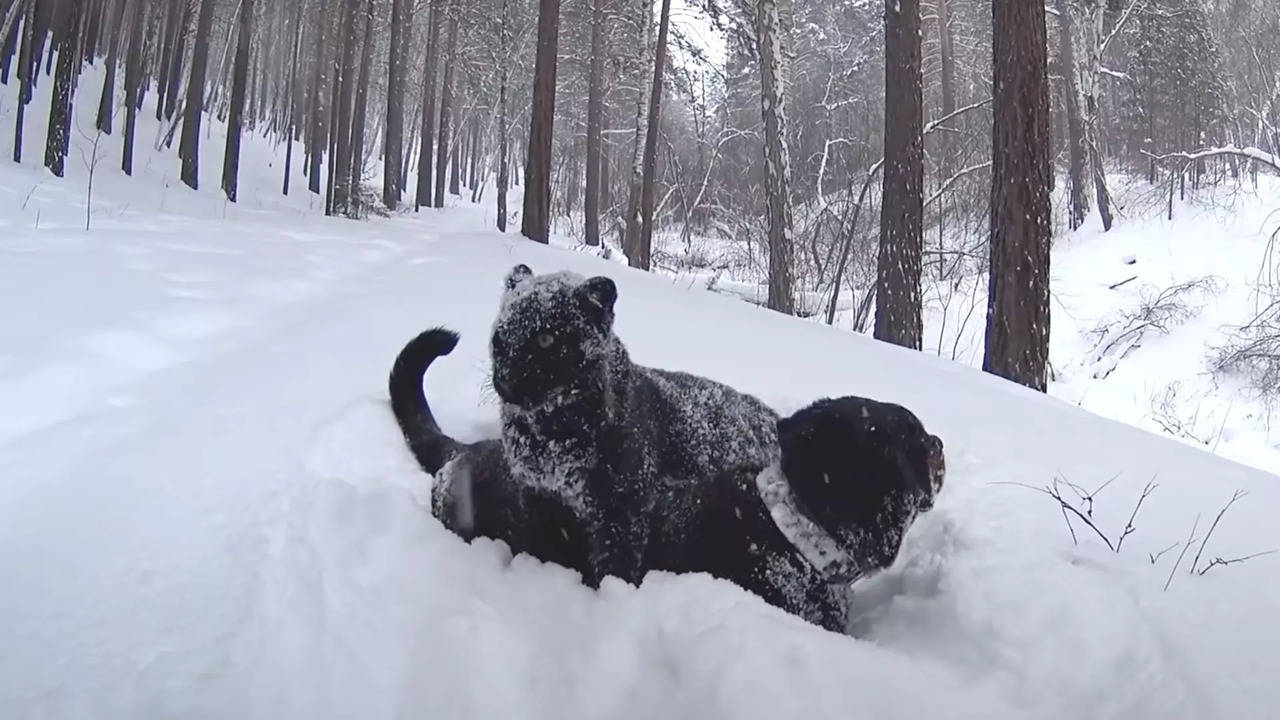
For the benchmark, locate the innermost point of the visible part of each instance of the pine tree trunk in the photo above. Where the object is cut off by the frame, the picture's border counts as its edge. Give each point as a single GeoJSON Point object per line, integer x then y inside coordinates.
{"type": "Point", "coordinates": [166, 49]}
{"type": "Point", "coordinates": [9, 40]}
{"type": "Point", "coordinates": [394, 139]}
{"type": "Point", "coordinates": [45, 17]}
{"type": "Point", "coordinates": [359, 112]}
{"type": "Point", "coordinates": [318, 141]}
{"type": "Point", "coordinates": [106, 102]}
{"type": "Point", "coordinates": [335, 87]}
{"type": "Point", "coordinates": [473, 164]}
{"type": "Point", "coordinates": [504, 166]}
{"type": "Point", "coordinates": [346, 89]}
{"type": "Point", "coordinates": [422, 194]}
{"type": "Point", "coordinates": [1101, 193]}
{"type": "Point", "coordinates": [535, 221]}
{"type": "Point", "coordinates": [1017, 335]}
{"type": "Point", "coordinates": [62, 106]}
{"type": "Point", "coordinates": [177, 58]}
{"type": "Point", "coordinates": [595, 103]}
{"type": "Point", "coordinates": [777, 158]}
{"type": "Point", "coordinates": [189, 149]}
{"type": "Point", "coordinates": [26, 69]}
{"type": "Point", "coordinates": [235, 119]}
{"type": "Point", "coordinates": [90, 20]}
{"type": "Point", "coordinates": [1076, 148]}
{"type": "Point", "coordinates": [640, 256]}
{"type": "Point", "coordinates": [455, 156]}
{"type": "Point", "coordinates": [947, 58]}
{"type": "Point", "coordinates": [132, 81]}
{"type": "Point", "coordinates": [446, 102]}
{"type": "Point", "coordinates": [291, 122]}
{"type": "Point", "coordinates": [898, 266]}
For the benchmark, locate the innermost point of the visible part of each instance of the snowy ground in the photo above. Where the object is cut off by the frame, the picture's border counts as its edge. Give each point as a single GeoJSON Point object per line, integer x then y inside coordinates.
{"type": "Point", "coordinates": [207, 511]}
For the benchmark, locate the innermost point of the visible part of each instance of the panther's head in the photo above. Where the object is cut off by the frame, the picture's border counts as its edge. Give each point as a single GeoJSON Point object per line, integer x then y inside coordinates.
{"type": "Point", "coordinates": [550, 340]}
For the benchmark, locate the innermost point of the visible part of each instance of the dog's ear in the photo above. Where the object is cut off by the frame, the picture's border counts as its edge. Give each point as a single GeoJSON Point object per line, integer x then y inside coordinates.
{"type": "Point", "coordinates": [518, 274]}
{"type": "Point", "coordinates": [597, 296]}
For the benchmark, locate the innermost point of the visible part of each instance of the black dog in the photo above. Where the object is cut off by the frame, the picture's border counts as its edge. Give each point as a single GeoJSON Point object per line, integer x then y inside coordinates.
{"type": "Point", "coordinates": [862, 470]}
{"type": "Point", "coordinates": [795, 544]}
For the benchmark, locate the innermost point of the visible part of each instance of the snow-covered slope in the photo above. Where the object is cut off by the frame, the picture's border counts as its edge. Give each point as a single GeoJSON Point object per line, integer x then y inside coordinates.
{"type": "Point", "coordinates": [206, 510]}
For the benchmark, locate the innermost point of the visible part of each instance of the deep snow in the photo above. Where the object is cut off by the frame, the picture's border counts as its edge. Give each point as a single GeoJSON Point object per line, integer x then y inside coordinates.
{"type": "Point", "coordinates": [207, 510]}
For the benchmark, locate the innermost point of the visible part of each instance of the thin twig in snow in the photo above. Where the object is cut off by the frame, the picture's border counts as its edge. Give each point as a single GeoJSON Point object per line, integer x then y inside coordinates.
{"type": "Point", "coordinates": [1234, 497]}
{"type": "Point", "coordinates": [1190, 539]}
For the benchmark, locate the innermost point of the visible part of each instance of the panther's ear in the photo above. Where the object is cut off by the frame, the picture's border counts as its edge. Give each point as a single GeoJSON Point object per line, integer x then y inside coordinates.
{"type": "Point", "coordinates": [597, 297]}
{"type": "Point", "coordinates": [786, 427]}
{"type": "Point", "coordinates": [518, 274]}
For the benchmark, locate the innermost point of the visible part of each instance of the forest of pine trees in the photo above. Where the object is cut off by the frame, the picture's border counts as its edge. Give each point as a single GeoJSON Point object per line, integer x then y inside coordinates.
{"type": "Point", "coordinates": [838, 145]}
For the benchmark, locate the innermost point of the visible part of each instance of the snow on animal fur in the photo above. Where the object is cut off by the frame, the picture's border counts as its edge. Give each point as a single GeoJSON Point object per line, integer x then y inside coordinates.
{"type": "Point", "coordinates": [610, 438]}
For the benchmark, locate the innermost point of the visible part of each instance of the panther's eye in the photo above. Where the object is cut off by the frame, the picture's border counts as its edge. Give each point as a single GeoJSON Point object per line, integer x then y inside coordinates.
{"type": "Point", "coordinates": [545, 340]}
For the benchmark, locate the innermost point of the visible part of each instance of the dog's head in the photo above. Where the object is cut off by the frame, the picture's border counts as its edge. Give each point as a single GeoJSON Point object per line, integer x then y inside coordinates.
{"type": "Point", "coordinates": [550, 336]}
{"type": "Point", "coordinates": [861, 469]}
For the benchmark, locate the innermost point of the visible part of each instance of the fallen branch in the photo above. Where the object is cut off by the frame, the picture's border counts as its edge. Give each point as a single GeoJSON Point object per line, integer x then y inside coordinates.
{"type": "Point", "coordinates": [1250, 153]}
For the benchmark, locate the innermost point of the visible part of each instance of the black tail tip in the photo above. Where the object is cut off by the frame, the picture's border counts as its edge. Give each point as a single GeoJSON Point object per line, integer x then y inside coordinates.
{"type": "Point", "coordinates": [438, 340]}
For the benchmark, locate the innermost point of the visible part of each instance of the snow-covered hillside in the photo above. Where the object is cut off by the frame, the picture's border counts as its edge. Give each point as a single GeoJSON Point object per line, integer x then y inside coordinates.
{"type": "Point", "coordinates": [207, 511]}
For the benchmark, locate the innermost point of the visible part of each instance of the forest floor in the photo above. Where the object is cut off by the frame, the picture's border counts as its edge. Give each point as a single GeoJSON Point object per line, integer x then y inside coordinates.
{"type": "Point", "coordinates": [207, 510]}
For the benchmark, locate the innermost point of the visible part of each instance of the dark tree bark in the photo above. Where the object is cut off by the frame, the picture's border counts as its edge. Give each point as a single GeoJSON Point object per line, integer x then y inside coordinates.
{"type": "Point", "coordinates": [335, 87]}
{"type": "Point", "coordinates": [291, 123]}
{"type": "Point", "coordinates": [1017, 336]}
{"type": "Point", "coordinates": [346, 87]}
{"type": "Point", "coordinates": [776, 156]}
{"type": "Point", "coordinates": [132, 81]}
{"type": "Point", "coordinates": [45, 17]}
{"type": "Point", "coordinates": [595, 106]}
{"type": "Point", "coordinates": [640, 256]}
{"type": "Point", "coordinates": [947, 58]}
{"type": "Point", "coordinates": [90, 19]}
{"type": "Point", "coordinates": [455, 153]}
{"type": "Point", "coordinates": [535, 222]}
{"type": "Point", "coordinates": [394, 139]}
{"type": "Point", "coordinates": [26, 63]}
{"type": "Point", "coordinates": [61, 108]}
{"type": "Point", "coordinates": [504, 167]}
{"type": "Point", "coordinates": [166, 49]}
{"type": "Point", "coordinates": [235, 119]}
{"type": "Point", "coordinates": [189, 149]}
{"type": "Point", "coordinates": [473, 156]}
{"type": "Point", "coordinates": [358, 113]}
{"type": "Point", "coordinates": [177, 58]}
{"type": "Point", "coordinates": [1077, 148]}
{"type": "Point", "coordinates": [446, 102]}
{"type": "Point", "coordinates": [898, 265]}
{"type": "Point", "coordinates": [422, 194]}
{"type": "Point", "coordinates": [317, 142]}
{"type": "Point", "coordinates": [1101, 192]}
{"type": "Point", "coordinates": [9, 42]}
{"type": "Point", "coordinates": [106, 103]}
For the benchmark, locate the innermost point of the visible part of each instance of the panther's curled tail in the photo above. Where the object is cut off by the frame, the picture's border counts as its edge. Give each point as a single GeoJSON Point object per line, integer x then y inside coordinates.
{"type": "Point", "coordinates": [430, 446]}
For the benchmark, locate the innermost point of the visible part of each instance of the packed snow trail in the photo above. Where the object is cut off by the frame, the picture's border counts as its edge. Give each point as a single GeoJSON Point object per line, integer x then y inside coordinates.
{"type": "Point", "coordinates": [220, 518]}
